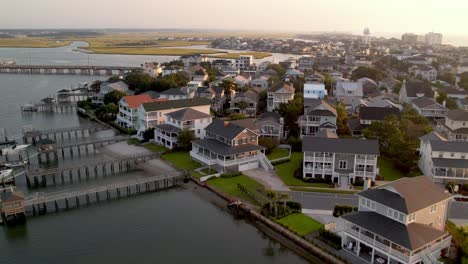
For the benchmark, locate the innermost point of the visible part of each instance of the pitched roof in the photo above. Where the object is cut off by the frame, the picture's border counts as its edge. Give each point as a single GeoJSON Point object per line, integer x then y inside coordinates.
{"type": "Point", "coordinates": [223, 149]}
{"type": "Point", "coordinates": [174, 104]}
{"type": "Point", "coordinates": [134, 101]}
{"type": "Point", "coordinates": [407, 195]}
{"type": "Point", "coordinates": [450, 163]}
{"type": "Point", "coordinates": [449, 146]}
{"type": "Point", "coordinates": [341, 145]}
{"type": "Point", "coordinates": [418, 87]}
{"type": "Point", "coordinates": [175, 91]}
{"type": "Point", "coordinates": [247, 123]}
{"type": "Point", "coordinates": [433, 136]}
{"type": "Point", "coordinates": [342, 87]}
{"type": "Point", "coordinates": [287, 87]}
{"type": "Point", "coordinates": [248, 94]}
{"type": "Point", "coordinates": [187, 114]}
{"type": "Point", "coordinates": [411, 236]}
{"type": "Point", "coordinates": [313, 104]}
{"type": "Point", "coordinates": [168, 128]}
{"type": "Point", "coordinates": [225, 129]}
{"type": "Point", "coordinates": [377, 113]}
{"type": "Point", "coordinates": [423, 102]}
{"type": "Point", "coordinates": [269, 116]}
{"type": "Point", "coordinates": [458, 115]}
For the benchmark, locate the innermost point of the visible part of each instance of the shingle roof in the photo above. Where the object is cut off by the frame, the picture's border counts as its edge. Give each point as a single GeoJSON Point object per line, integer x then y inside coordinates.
{"type": "Point", "coordinates": [418, 87]}
{"type": "Point", "coordinates": [313, 104]}
{"type": "Point", "coordinates": [423, 102]}
{"type": "Point", "coordinates": [433, 136]}
{"type": "Point", "coordinates": [377, 113]}
{"type": "Point", "coordinates": [407, 195]}
{"type": "Point", "coordinates": [156, 106]}
{"type": "Point", "coordinates": [458, 115]}
{"type": "Point", "coordinates": [411, 236]}
{"type": "Point", "coordinates": [225, 129]}
{"type": "Point", "coordinates": [450, 163]}
{"type": "Point", "coordinates": [269, 116]}
{"type": "Point", "coordinates": [168, 128]}
{"type": "Point", "coordinates": [223, 149]}
{"type": "Point", "coordinates": [449, 146]}
{"type": "Point", "coordinates": [187, 114]}
{"type": "Point", "coordinates": [341, 145]}
{"type": "Point", "coordinates": [176, 91]}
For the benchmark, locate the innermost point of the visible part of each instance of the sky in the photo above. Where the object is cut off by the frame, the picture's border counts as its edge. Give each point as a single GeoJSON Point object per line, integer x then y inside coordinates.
{"type": "Point", "coordinates": [381, 16]}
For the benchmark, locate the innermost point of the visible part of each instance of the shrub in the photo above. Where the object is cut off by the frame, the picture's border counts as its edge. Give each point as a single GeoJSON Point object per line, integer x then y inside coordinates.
{"type": "Point", "coordinates": [340, 210]}
{"type": "Point", "coordinates": [330, 238]}
{"type": "Point", "coordinates": [231, 175]}
{"type": "Point", "coordinates": [291, 208]}
{"type": "Point", "coordinates": [280, 161]}
{"type": "Point", "coordinates": [296, 143]}
{"type": "Point", "coordinates": [267, 143]}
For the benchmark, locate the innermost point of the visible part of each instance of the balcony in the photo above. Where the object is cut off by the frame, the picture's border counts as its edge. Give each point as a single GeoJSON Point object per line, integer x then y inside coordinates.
{"type": "Point", "coordinates": [319, 170]}
{"type": "Point", "coordinates": [450, 173]}
{"type": "Point", "coordinates": [224, 163]}
{"type": "Point", "coordinates": [364, 174]}
{"type": "Point", "coordinates": [318, 159]}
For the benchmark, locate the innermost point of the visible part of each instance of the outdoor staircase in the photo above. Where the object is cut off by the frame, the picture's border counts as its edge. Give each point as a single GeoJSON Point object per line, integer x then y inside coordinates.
{"type": "Point", "coordinates": [430, 259]}
{"type": "Point", "coordinates": [265, 163]}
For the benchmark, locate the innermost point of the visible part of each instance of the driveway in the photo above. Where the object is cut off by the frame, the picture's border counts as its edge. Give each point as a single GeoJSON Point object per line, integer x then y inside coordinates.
{"type": "Point", "coordinates": [269, 179]}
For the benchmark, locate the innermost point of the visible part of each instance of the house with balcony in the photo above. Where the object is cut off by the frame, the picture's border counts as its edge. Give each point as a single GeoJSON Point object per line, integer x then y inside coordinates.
{"type": "Point", "coordinates": [315, 90]}
{"type": "Point", "coordinates": [154, 113]}
{"type": "Point", "coordinates": [340, 160]}
{"type": "Point", "coordinates": [429, 108]}
{"type": "Point", "coordinates": [216, 94]}
{"type": "Point", "coordinates": [184, 119]}
{"type": "Point", "coordinates": [306, 63]}
{"type": "Point", "coordinates": [443, 161]}
{"type": "Point", "coordinates": [244, 62]}
{"type": "Point", "coordinates": [245, 103]}
{"type": "Point", "coordinates": [399, 222]}
{"type": "Point", "coordinates": [455, 125]}
{"type": "Point", "coordinates": [282, 94]}
{"type": "Point", "coordinates": [128, 116]}
{"type": "Point", "coordinates": [270, 124]}
{"type": "Point", "coordinates": [107, 87]}
{"type": "Point", "coordinates": [177, 93]}
{"type": "Point", "coordinates": [318, 116]}
{"type": "Point", "coordinates": [229, 147]}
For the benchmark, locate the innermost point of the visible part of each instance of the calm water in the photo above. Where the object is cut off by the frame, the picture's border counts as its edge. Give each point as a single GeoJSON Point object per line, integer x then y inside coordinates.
{"type": "Point", "coordinates": [176, 226]}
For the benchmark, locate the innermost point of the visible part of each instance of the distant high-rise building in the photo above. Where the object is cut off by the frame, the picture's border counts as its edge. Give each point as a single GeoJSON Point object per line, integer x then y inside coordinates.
{"type": "Point", "coordinates": [409, 38]}
{"type": "Point", "coordinates": [366, 36]}
{"type": "Point", "coordinates": [433, 39]}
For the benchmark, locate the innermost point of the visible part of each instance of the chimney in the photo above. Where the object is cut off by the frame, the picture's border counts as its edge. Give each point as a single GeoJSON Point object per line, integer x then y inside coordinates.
{"type": "Point", "coordinates": [226, 123]}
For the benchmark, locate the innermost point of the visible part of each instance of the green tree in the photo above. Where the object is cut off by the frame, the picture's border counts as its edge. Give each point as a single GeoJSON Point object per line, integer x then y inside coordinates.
{"type": "Point", "coordinates": [285, 197]}
{"type": "Point", "coordinates": [107, 113]}
{"type": "Point", "coordinates": [139, 82]}
{"type": "Point", "coordinates": [448, 77]}
{"type": "Point", "coordinates": [185, 139]}
{"type": "Point", "coordinates": [96, 86]}
{"type": "Point", "coordinates": [329, 83]}
{"type": "Point", "coordinates": [464, 80]}
{"type": "Point", "coordinates": [148, 134]}
{"type": "Point", "coordinates": [342, 119]}
{"type": "Point", "coordinates": [273, 197]}
{"type": "Point", "coordinates": [262, 102]}
{"type": "Point", "coordinates": [113, 97]}
{"type": "Point", "coordinates": [268, 143]}
{"type": "Point", "coordinates": [372, 73]}
{"type": "Point", "coordinates": [291, 112]}
{"type": "Point", "coordinates": [450, 103]}
{"type": "Point", "coordinates": [242, 106]}
{"type": "Point", "coordinates": [228, 86]}
{"type": "Point", "coordinates": [280, 70]}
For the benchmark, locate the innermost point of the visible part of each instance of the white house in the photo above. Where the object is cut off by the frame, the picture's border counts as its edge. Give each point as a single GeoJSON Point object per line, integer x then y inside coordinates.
{"type": "Point", "coordinates": [455, 125]}
{"type": "Point", "coordinates": [244, 62]}
{"type": "Point", "coordinates": [426, 72]}
{"type": "Point", "coordinates": [315, 90]}
{"type": "Point", "coordinates": [428, 107]}
{"type": "Point", "coordinates": [282, 94]}
{"type": "Point", "coordinates": [128, 115]}
{"type": "Point", "coordinates": [153, 69]}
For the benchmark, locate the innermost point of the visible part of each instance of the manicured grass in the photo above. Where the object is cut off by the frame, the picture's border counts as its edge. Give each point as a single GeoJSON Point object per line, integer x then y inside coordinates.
{"type": "Point", "coordinates": [229, 186]}
{"type": "Point", "coordinates": [286, 172]}
{"type": "Point", "coordinates": [181, 160]}
{"type": "Point", "coordinates": [318, 190]}
{"type": "Point", "coordinates": [155, 147]}
{"type": "Point", "coordinates": [256, 55]}
{"type": "Point", "coordinates": [300, 224]}
{"type": "Point", "coordinates": [278, 153]}
{"type": "Point", "coordinates": [388, 169]}
{"type": "Point", "coordinates": [209, 171]}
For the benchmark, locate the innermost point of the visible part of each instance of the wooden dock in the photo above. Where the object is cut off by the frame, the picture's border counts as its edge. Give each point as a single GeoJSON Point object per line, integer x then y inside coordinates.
{"type": "Point", "coordinates": [68, 174]}
{"type": "Point", "coordinates": [40, 203]}
{"type": "Point", "coordinates": [33, 135]}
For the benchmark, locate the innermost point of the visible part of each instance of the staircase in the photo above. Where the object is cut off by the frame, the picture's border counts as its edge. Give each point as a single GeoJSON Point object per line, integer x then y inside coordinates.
{"type": "Point", "coordinates": [265, 163]}
{"type": "Point", "coordinates": [428, 258]}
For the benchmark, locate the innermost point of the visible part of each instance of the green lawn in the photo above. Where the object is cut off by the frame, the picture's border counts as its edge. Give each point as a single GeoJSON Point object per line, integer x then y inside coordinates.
{"type": "Point", "coordinates": [181, 160]}
{"type": "Point", "coordinates": [329, 190]}
{"type": "Point", "coordinates": [155, 147]}
{"type": "Point", "coordinates": [278, 153]}
{"type": "Point", "coordinates": [300, 224]}
{"type": "Point", "coordinates": [388, 169]}
{"type": "Point", "coordinates": [229, 186]}
{"type": "Point", "coordinates": [286, 172]}
{"type": "Point", "coordinates": [133, 141]}
{"type": "Point", "coordinates": [209, 171]}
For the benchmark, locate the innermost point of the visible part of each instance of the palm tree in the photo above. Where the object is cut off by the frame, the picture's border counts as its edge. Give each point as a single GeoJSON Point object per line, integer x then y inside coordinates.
{"type": "Point", "coordinates": [273, 199]}
{"type": "Point", "coordinates": [285, 197]}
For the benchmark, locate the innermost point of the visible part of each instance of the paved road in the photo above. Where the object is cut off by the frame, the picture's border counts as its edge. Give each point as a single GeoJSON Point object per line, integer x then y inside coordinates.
{"type": "Point", "coordinates": [323, 201]}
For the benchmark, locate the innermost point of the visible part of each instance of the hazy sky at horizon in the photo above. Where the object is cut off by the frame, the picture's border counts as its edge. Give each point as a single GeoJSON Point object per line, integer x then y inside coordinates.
{"type": "Point", "coordinates": [382, 16]}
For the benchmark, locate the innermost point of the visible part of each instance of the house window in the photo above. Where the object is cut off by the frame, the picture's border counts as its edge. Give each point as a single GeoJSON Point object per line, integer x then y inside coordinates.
{"type": "Point", "coordinates": [373, 205]}
{"type": "Point", "coordinates": [368, 203]}
{"type": "Point", "coordinates": [363, 202]}
{"type": "Point", "coordinates": [244, 140]}
{"type": "Point", "coordinates": [452, 154]}
{"type": "Point", "coordinates": [253, 138]}
{"type": "Point", "coordinates": [390, 212]}
{"type": "Point", "coordinates": [433, 208]}
{"type": "Point", "coordinates": [236, 142]}
{"type": "Point", "coordinates": [343, 164]}
{"type": "Point", "coordinates": [411, 218]}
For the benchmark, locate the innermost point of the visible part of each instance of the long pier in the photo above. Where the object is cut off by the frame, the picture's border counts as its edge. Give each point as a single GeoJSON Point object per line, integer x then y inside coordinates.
{"type": "Point", "coordinates": [66, 69]}
{"type": "Point", "coordinates": [33, 136]}
{"type": "Point", "coordinates": [68, 174]}
{"type": "Point", "coordinates": [39, 203]}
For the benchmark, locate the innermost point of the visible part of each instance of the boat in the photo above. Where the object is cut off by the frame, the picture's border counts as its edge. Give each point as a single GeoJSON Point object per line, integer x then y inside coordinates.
{"type": "Point", "coordinates": [5, 173]}
{"type": "Point", "coordinates": [15, 149]}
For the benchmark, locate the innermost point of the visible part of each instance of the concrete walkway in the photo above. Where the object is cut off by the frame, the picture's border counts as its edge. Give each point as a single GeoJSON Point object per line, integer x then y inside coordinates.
{"type": "Point", "coordinates": [269, 179]}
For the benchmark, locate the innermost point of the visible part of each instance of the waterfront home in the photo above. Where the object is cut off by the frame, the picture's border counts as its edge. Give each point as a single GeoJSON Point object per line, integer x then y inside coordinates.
{"type": "Point", "coordinates": [399, 222]}
{"type": "Point", "coordinates": [315, 90]}
{"type": "Point", "coordinates": [245, 103]}
{"type": "Point", "coordinates": [107, 87]}
{"type": "Point", "coordinates": [443, 161]}
{"type": "Point", "coordinates": [414, 89]}
{"type": "Point", "coordinates": [190, 60]}
{"type": "Point", "coordinates": [455, 125]}
{"type": "Point", "coordinates": [66, 96]}
{"type": "Point", "coordinates": [368, 115]}
{"type": "Point", "coordinates": [229, 147]}
{"type": "Point", "coordinates": [428, 73]}
{"type": "Point", "coordinates": [184, 119]}
{"type": "Point", "coordinates": [153, 69]}
{"type": "Point", "coordinates": [168, 70]}
{"type": "Point", "coordinates": [271, 124]}
{"type": "Point", "coordinates": [279, 95]}
{"type": "Point", "coordinates": [154, 113]}
{"type": "Point", "coordinates": [429, 108]}
{"type": "Point", "coordinates": [349, 93]}
{"type": "Point", "coordinates": [340, 160]}
{"type": "Point", "coordinates": [318, 115]}
{"type": "Point", "coordinates": [128, 116]}
{"type": "Point", "coordinates": [243, 62]}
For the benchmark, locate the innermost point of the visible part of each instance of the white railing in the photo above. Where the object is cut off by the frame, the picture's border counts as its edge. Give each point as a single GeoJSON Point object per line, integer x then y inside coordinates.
{"type": "Point", "coordinates": [203, 158]}
{"type": "Point", "coordinates": [369, 161]}
{"type": "Point", "coordinates": [318, 170]}
{"type": "Point", "coordinates": [222, 162]}
{"type": "Point", "coordinates": [364, 173]}
{"type": "Point", "coordinates": [318, 159]}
